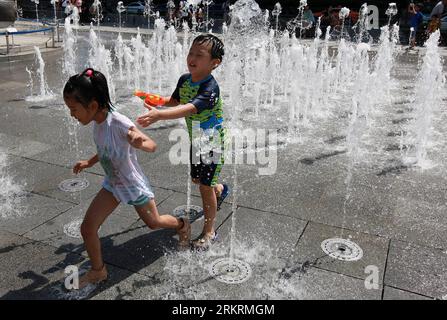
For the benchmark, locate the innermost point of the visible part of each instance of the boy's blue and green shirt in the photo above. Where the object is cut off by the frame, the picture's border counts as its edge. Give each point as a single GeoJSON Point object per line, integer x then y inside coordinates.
{"type": "Point", "coordinates": [205, 96]}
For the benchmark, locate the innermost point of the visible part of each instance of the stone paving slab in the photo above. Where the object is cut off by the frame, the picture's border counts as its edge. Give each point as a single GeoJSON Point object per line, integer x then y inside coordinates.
{"type": "Point", "coordinates": [385, 206]}
{"type": "Point", "coordinates": [309, 249]}
{"type": "Point", "coordinates": [33, 210]}
{"type": "Point", "coordinates": [120, 285]}
{"type": "Point", "coordinates": [46, 278]}
{"type": "Point", "coordinates": [44, 179]}
{"type": "Point", "coordinates": [433, 180]}
{"type": "Point", "coordinates": [21, 147]}
{"type": "Point", "coordinates": [417, 269]}
{"type": "Point", "coordinates": [315, 284]}
{"type": "Point", "coordinates": [396, 294]}
{"type": "Point", "coordinates": [124, 285]}
{"type": "Point", "coordinates": [324, 285]}
{"type": "Point", "coordinates": [50, 187]}
{"type": "Point", "coordinates": [255, 228]}
{"type": "Point", "coordinates": [420, 222]}
{"type": "Point", "coordinates": [293, 191]}
{"type": "Point", "coordinates": [67, 157]}
{"type": "Point", "coordinates": [35, 266]}
{"type": "Point", "coordinates": [30, 173]}
{"type": "Point", "coordinates": [52, 232]}
{"type": "Point", "coordinates": [35, 119]}
{"type": "Point", "coordinates": [10, 160]}
{"type": "Point", "coordinates": [8, 86]}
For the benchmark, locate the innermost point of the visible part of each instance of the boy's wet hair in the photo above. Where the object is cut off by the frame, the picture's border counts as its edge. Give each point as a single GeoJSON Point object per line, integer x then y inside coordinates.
{"type": "Point", "coordinates": [217, 46]}
{"type": "Point", "coordinates": [87, 86]}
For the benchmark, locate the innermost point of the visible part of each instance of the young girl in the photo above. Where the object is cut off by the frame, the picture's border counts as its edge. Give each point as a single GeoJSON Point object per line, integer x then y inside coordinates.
{"type": "Point", "coordinates": [116, 138]}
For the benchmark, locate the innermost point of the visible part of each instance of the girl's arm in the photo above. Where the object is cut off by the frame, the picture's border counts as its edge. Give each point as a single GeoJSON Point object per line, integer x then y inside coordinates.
{"type": "Point", "coordinates": [139, 140]}
{"type": "Point", "coordinates": [83, 164]}
{"type": "Point", "coordinates": [93, 160]}
{"type": "Point", "coordinates": [155, 115]}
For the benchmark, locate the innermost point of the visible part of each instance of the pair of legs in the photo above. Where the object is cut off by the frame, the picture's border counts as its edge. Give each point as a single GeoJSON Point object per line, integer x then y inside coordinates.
{"type": "Point", "coordinates": [205, 172]}
{"type": "Point", "coordinates": [209, 201]}
{"type": "Point", "coordinates": [101, 207]}
{"type": "Point", "coordinates": [412, 42]}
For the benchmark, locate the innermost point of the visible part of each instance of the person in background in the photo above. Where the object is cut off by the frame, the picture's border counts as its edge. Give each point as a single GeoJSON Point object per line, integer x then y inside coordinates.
{"type": "Point", "coordinates": [438, 12]}
{"type": "Point", "coordinates": [416, 19]}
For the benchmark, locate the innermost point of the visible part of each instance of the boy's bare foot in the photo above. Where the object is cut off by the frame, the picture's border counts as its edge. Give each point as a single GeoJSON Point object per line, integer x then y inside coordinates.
{"type": "Point", "coordinates": [93, 277]}
{"type": "Point", "coordinates": [225, 191]}
{"type": "Point", "coordinates": [204, 241]}
{"type": "Point", "coordinates": [184, 234]}
{"type": "Point", "coordinates": [218, 189]}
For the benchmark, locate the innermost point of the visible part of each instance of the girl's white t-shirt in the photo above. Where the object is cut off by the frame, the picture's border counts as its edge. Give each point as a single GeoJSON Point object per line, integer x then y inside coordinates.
{"type": "Point", "coordinates": [118, 158]}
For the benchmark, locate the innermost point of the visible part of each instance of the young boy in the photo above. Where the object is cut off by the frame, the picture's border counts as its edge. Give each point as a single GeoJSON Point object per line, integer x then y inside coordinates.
{"type": "Point", "coordinates": [197, 98]}
{"type": "Point", "coordinates": [415, 20]}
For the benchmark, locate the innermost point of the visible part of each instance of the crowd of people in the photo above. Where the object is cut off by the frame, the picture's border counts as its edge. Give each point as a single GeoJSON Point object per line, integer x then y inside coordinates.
{"type": "Point", "coordinates": [193, 15]}
{"type": "Point", "coordinates": [328, 17]}
{"type": "Point", "coordinates": [419, 19]}
{"type": "Point", "coordinates": [177, 13]}
{"type": "Point", "coordinates": [83, 7]}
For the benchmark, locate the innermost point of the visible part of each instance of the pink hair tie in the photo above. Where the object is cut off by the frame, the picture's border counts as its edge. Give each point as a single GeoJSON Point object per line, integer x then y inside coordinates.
{"type": "Point", "coordinates": [89, 73]}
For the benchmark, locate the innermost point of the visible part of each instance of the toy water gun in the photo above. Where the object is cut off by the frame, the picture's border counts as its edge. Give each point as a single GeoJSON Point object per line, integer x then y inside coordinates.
{"type": "Point", "coordinates": [150, 98]}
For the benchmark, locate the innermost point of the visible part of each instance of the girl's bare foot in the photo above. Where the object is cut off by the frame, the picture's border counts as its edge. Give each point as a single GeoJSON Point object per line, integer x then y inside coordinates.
{"type": "Point", "coordinates": [93, 277]}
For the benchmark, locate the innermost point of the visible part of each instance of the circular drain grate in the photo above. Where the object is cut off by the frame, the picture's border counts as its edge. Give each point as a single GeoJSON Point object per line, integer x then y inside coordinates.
{"type": "Point", "coordinates": [342, 249]}
{"type": "Point", "coordinates": [195, 212]}
{"type": "Point", "coordinates": [230, 271]}
{"type": "Point", "coordinates": [74, 185]}
{"type": "Point", "coordinates": [73, 229]}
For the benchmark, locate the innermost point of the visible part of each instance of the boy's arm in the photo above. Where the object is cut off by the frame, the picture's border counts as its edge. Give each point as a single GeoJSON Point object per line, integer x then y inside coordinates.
{"type": "Point", "coordinates": [179, 111]}
{"type": "Point", "coordinates": [155, 115]}
{"type": "Point", "coordinates": [139, 140]}
{"type": "Point", "coordinates": [171, 102]}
